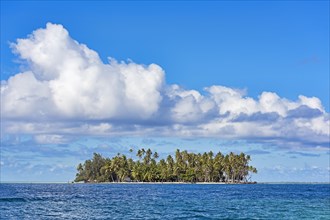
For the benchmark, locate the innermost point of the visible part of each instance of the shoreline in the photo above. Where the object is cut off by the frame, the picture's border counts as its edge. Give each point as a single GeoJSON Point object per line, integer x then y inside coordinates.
{"type": "Point", "coordinates": [167, 183]}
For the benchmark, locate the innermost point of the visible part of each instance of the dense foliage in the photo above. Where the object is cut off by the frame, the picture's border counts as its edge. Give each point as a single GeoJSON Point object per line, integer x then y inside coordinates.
{"type": "Point", "coordinates": [184, 167]}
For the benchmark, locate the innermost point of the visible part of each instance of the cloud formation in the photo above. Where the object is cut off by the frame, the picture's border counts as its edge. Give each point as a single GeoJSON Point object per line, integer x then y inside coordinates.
{"type": "Point", "coordinates": [67, 80]}
{"type": "Point", "coordinates": [67, 90]}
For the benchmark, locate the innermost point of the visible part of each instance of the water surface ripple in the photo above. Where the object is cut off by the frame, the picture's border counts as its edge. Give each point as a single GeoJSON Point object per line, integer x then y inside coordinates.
{"type": "Point", "coordinates": [164, 201]}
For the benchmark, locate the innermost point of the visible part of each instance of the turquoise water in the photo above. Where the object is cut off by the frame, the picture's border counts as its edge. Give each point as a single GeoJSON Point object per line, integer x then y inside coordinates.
{"type": "Point", "coordinates": [164, 201]}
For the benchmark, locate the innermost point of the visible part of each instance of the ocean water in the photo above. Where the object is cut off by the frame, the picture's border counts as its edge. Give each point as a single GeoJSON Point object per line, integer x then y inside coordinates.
{"type": "Point", "coordinates": [164, 201]}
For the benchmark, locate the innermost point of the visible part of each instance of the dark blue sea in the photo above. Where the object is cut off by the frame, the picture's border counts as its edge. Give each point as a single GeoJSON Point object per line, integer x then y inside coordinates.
{"type": "Point", "coordinates": [164, 201]}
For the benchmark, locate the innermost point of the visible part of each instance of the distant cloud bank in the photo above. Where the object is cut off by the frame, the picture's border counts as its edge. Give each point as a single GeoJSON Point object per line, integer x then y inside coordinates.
{"type": "Point", "coordinates": [66, 89]}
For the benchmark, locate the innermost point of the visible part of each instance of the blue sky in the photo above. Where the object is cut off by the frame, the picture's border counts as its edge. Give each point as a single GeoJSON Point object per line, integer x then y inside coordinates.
{"type": "Point", "coordinates": [229, 76]}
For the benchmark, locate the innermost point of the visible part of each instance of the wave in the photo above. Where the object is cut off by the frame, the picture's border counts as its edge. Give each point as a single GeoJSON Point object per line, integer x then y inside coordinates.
{"type": "Point", "coordinates": [13, 200]}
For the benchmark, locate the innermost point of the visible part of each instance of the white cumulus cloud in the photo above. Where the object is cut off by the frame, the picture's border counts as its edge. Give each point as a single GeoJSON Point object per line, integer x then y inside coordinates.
{"type": "Point", "coordinates": [68, 90]}
{"type": "Point", "coordinates": [68, 80]}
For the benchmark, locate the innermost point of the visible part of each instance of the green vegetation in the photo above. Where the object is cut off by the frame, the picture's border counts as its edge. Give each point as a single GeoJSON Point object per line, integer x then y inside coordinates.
{"type": "Point", "coordinates": [184, 167]}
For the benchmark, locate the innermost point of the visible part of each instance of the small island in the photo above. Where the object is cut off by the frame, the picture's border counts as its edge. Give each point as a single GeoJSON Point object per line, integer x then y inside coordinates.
{"type": "Point", "coordinates": [184, 167]}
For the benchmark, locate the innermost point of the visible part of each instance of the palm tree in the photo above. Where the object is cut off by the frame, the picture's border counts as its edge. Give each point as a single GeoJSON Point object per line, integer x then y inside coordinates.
{"type": "Point", "coordinates": [163, 171]}
{"type": "Point", "coordinates": [81, 175]}
{"type": "Point", "coordinates": [147, 157]}
{"type": "Point", "coordinates": [137, 171]}
{"type": "Point", "coordinates": [156, 156]}
{"type": "Point", "coordinates": [140, 153]}
{"type": "Point", "coordinates": [108, 171]}
{"type": "Point", "coordinates": [170, 167]}
{"type": "Point", "coordinates": [218, 166]}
